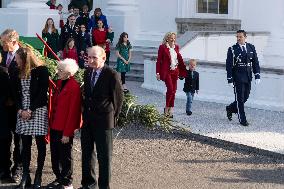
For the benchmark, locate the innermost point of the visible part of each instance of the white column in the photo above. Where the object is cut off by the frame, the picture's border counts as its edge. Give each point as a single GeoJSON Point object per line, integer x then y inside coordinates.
{"type": "Point", "coordinates": [273, 54]}
{"type": "Point", "coordinates": [122, 5]}
{"type": "Point", "coordinates": [186, 8]}
{"type": "Point", "coordinates": [123, 16]}
{"type": "Point", "coordinates": [234, 9]}
{"type": "Point", "coordinates": [99, 4]}
{"type": "Point", "coordinates": [27, 4]}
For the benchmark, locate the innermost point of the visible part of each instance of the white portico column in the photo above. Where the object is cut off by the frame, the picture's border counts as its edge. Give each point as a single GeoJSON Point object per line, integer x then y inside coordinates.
{"type": "Point", "coordinates": [123, 16]}
{"type": "Point", "coordinates": [186, 8]}
{"type": "Point", "coordinates": [27, 17]}
{"type": "Point", "coordinates": [274, 52]}
{"type": "Point", "coordinates": [99, 4]}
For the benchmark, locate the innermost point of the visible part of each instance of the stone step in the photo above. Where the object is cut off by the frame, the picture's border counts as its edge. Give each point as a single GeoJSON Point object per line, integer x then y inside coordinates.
{"type": "Point", "coordinates": [134, 77]}
{"type": "Point", "coordinates": [136, 72]}
{"type": "Point", "coordinates": [133, 66]}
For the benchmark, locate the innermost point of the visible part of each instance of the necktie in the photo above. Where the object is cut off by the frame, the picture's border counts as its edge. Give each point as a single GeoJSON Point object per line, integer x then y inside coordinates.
{"type": "Point", "coordinates": [93, 80]}
{"type": "Point", "coordinates": [244, 50]}
{"type": "Point", "coordinates": [9, 60]}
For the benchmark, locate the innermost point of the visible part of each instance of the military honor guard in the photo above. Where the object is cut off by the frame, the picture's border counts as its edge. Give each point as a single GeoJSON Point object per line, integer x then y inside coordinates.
{"type": "Point", "coordinates": [70, 30]}
{"type": "Point", "coordinates": [241, 62]}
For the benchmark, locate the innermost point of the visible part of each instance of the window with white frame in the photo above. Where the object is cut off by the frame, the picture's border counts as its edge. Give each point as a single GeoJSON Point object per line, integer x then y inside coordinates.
{"type": "Point", "coordinates": [212, 6]}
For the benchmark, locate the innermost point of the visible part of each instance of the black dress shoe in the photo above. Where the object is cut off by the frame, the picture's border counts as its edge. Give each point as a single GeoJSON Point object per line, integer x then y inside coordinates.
{"type": "Point", "coordinates": [37, 181]}
{"type": "Point", "coordinates": [54, 185]}
{"type": "Point", "coordinates": [125, 90]}
{"type": "Point", "coordinates": [189, 113]}
{"type": "Point", "coordinates": [229, 113]}
{"type": "Point", "coordinates": [245, 123]}
{"type": "Point", "coordinates": [17, 174]}
{"type": "Point", "coordinates": [25, 182]}
{"type": "Point", "coordinates": [92, 186]}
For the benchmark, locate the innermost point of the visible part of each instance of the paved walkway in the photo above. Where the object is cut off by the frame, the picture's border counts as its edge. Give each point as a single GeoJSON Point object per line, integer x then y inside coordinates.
{"type": "Point", "coordinates": [266, 130]}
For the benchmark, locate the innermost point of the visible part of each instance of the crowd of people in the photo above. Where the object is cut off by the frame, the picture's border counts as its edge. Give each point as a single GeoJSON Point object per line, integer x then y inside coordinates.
{"type": "Point", "coordinates": [85, 42]}
{"type": "Point", "coordinates": [241, 62]}
{"type": "Point", "coordinates": [82, 31]}
{"type": "Point", "coordinates": [25, 115]}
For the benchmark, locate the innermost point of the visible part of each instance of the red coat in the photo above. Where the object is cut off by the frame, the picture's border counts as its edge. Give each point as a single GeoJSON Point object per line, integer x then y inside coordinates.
{"type": "Point", "coordinates": [66, 109]}
{"type": "Point", "coordinates": [99, 38]}
{"type": "Point", "coordinates": [72, 53]}
{"type": "Point", "coordinates": [164, 62]}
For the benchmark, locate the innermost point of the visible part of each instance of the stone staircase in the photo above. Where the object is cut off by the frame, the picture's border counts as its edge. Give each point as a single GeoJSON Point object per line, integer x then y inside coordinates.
{"type": "Point", "coordinates": [137, 63]}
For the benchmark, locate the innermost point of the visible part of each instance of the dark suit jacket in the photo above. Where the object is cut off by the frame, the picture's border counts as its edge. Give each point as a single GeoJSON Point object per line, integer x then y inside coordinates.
{"type": "Point", "coordinates": [13, 72]}
{"type": "Point", "coordinates": [84, 42]}
{"type": "Point", "coordinates": [52, 40]}
{"type": "Point", "coordinates": [5, 129]}
{"type": "Point", "coordinates": [191, 83]}
{"type": "Point", "coordinates": [102, 105]}
{"type": "Point", "coordinates": [38, 88]}
{"type": "Point", "coordinates": [240, 65]}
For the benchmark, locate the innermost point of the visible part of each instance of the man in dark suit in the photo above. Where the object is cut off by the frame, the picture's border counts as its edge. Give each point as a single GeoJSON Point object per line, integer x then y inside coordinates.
{"type": "Point", "coordinates": [5, 130]}
{"type": "Point", "coordinates": [9, 40]}
{"type": "Point", "coordinates": [84, 17]}
{"type": "Point", "coordinates": [103, 97]}
{"type": "Point", "coordinates": [241, 62]}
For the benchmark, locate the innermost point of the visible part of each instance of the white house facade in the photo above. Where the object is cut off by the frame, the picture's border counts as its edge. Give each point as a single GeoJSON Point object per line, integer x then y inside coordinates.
{"type": "Point", "coordinates": [206, 28]}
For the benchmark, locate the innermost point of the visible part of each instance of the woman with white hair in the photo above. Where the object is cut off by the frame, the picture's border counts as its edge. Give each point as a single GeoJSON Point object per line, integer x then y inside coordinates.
{"type": "Point", "coordinates": [66, 118]}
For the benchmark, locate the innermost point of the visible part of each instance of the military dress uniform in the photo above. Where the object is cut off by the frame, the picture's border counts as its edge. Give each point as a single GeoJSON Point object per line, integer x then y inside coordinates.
{"type": "Point", "coordinates": [241, 62]}
{"type": "Point", "coordinates": [67, 32]}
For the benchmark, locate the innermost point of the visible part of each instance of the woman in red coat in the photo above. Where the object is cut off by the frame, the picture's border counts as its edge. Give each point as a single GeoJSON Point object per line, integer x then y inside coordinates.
{"type": "Point", "coordinates": [66, 118]}
{"type": "Point", "coordinates": [100, 37]}
{"type": "Point", "coordinates": [169, 68]}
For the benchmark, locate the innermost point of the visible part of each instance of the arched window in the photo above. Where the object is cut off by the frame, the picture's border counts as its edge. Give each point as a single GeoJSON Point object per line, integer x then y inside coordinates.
{"type": "Point", "coordinates": [212, 6]}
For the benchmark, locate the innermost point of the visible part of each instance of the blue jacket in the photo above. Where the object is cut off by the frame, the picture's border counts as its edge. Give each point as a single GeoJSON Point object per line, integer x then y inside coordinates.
{"type": "Point", "coordinates": [240, 64]}
{"type": "Point", "coordinates": [93, 24]}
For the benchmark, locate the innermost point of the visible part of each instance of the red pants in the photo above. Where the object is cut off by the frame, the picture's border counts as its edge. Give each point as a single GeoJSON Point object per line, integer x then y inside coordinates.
{"type": "Point", "coordinates": [171, 84]}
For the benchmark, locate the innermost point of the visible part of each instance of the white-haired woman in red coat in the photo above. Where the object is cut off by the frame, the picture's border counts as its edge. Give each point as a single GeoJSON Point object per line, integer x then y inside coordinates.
{"type": "Point", "coordinates": [66, 118]}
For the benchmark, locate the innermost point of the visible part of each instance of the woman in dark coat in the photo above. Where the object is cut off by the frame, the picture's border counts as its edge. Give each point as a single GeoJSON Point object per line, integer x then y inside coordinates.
{"type": "Point", "coordinates": [32, 117]}
{"type": "Point", "coordinates": [51, 35]}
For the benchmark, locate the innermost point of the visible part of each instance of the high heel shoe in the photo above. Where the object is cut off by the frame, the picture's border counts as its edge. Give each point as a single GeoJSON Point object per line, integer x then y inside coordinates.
{"type": "Point", "coordinates": [25, 182]}
{"type": "Point", "coordinates": [166, 112]}
{"type": "Point", "coordinates": [170, 113]}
